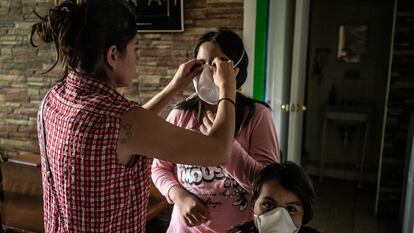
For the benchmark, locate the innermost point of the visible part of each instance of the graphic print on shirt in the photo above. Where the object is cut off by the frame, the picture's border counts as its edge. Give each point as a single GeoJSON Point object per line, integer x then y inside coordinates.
{"type": "Point", "coordinates": [231, 185]}
{"type": "Point", "coordinates": [195, 175]}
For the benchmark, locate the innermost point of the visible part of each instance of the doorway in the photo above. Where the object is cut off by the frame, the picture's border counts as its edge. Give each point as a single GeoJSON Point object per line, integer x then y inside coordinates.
{"type": "Point", "coordinates": [308, 69]}
{"type": "Point", "coordinates": [352, 89]}
{"type": "Point", "coordinates": [319, 72]}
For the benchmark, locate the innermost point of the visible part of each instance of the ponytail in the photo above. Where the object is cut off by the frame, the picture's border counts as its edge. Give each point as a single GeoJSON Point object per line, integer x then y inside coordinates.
{"type": "Point", "coordinates": [63, 26]}
{"type": "Point", "coordinates": [82, 31]}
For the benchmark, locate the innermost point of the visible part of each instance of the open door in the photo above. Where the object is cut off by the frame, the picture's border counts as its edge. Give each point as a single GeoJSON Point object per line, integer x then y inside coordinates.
{"type": "Point", "coordinates": [408, 216]}
{"type": "Point", "coordinates": [279, 66]}
{"type": "Point", "coordinates": [283, 36]}
{"type": "Point", "coordinates": [286, 69]}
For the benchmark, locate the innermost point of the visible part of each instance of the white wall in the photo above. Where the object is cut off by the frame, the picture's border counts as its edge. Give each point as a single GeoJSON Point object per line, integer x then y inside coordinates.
{"type": "Point", "coordinates": [249, 33]}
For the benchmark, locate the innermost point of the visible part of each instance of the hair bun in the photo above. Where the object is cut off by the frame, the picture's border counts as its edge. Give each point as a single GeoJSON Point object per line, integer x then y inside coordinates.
{"type": "Point", "coordinates": [82, 30]}
{"type": "Point", "coordinates": [68, 14]}
{"type": "Point", "coordinates": [60, 19]}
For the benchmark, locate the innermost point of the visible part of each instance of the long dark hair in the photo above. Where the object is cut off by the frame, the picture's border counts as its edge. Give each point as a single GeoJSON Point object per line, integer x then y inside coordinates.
{"type": "Point", "coordinates": [82, 31]}
{"type": "Point", "coordinates": [231, 45]}
{"type": "Point", "coordinates": [294, 179]}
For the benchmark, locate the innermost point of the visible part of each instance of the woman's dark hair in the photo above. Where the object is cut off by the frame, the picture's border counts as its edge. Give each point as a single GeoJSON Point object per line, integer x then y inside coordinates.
{"type": "Point", "coordinates": [232, 46]}
{"type": "Point", "coordinates": [82, 31]}
{"type": "Point", "coordinates": [294, 179]}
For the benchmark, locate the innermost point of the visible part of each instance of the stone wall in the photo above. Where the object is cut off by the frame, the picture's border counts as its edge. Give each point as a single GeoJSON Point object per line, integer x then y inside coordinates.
{"type": "Point", "coordinates": [23, 82]}
{"type": "Point", "coordinates": [400, 106]}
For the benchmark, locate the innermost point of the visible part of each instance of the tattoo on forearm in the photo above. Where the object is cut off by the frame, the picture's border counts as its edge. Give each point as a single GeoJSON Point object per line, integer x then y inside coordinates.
{"type": "Point", "coordinates": [126, 132]}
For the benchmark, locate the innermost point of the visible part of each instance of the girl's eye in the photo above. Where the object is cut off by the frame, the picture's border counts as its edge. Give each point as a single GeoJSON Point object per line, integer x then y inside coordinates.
{"type": "Point", "coordinates": [268, 205]}
{"type": "Point", "coordinates": [291, 209]}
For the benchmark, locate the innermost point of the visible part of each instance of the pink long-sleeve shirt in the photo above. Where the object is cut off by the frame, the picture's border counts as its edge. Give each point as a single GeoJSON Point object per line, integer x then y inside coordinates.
{"type": "Point", "coordinates": [224, 190]}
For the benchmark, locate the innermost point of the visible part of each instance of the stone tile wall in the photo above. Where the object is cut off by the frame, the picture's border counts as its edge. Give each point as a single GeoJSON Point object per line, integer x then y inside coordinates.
{"type": "Point", "coordinates": [23, 83]}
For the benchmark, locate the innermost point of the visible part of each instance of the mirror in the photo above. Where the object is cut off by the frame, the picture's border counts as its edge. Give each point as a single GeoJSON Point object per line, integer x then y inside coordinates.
{"type": "Point", "coordinates": [352, 43]}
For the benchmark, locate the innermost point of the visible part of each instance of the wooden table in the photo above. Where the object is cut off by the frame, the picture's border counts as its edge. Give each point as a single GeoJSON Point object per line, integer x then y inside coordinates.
{"type": "Point", "coordinates": [22, 205]}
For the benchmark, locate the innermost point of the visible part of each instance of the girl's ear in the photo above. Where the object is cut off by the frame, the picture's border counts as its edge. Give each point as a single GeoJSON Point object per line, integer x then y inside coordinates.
{"type": "Point", "coordinates": [111, 56]}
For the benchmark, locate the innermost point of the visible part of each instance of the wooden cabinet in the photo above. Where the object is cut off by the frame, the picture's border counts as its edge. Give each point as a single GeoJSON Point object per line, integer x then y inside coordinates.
{"type": "Point", "coordinates": [22, 204]}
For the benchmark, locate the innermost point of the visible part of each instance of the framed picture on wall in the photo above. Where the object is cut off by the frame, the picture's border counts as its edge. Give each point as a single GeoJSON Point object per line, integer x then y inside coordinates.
{"type": "Point", "coordinates": [159, 15]}
{"type": "Point", "coordinates": [352, 43]}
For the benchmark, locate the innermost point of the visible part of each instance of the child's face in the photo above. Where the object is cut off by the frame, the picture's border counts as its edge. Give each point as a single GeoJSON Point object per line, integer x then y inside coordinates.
{"type": "Point", "coordinates": [273, 195]}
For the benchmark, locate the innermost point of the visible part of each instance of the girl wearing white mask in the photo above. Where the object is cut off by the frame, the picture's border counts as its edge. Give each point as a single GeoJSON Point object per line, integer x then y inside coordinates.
{"type": "Point", "coordinates": [283, 201]}
{"type": "Point", "coordinates": [215, 198]}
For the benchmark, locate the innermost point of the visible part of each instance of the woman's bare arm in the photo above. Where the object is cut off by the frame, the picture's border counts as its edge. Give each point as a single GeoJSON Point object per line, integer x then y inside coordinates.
{"type": "Point", "coordinates": [143, 132]}
{"type": "Point", "coordinates": [182, 78]}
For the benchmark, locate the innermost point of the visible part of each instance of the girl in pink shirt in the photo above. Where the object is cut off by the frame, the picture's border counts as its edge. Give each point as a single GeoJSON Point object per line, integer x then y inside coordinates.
{"type": "Point", "coordinates": [215, 198]}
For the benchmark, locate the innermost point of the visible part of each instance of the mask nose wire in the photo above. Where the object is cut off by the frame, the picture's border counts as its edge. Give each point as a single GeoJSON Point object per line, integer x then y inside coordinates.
{"type": "Point", "coordinates": [235, 65]}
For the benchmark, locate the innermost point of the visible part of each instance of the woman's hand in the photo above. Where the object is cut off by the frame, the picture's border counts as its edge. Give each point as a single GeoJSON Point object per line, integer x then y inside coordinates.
{"type": "Point", "coordinates": [224, 73]}
{"type": "Point", "coordinates": [207, 123]}
{"type": "Point", "coordinates": [190, 208]}
{"type": "Point", "coordinates": [186, 73]}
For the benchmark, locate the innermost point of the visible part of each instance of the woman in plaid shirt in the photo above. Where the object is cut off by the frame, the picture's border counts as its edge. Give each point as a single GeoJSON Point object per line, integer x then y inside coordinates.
{"type": "Point", "coordinates": [99, 144]}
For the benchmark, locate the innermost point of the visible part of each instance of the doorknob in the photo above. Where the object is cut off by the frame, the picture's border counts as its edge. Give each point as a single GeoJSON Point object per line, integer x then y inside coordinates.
{"type": "Point", "coordinates": [294, 108]}
{"type": "Point", "coordinates": [285, 107]}
{"type": "Point", "coordinates": [291, 108]}
{"type": "Point", "coordinates": [301, 108]}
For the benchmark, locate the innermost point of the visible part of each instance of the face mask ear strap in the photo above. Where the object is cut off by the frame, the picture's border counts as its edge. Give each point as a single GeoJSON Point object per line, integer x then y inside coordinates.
{"type": "Point", "coordinates": [240, 59]}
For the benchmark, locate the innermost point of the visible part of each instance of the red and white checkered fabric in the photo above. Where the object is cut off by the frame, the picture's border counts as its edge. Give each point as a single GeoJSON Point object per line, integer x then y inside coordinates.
{"type": "Point", "coordinates": [94, 191]}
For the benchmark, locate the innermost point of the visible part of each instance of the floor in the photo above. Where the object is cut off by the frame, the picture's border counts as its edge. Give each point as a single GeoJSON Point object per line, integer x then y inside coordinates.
{"type": "Point", "coordinates": [341, 208]}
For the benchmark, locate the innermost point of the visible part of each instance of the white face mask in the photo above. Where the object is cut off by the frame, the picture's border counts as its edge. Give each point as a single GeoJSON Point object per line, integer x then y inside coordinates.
{"type": "Point", "coordinates": [205, 86]}
{"type": "Point", "coordinates": [277, 220]}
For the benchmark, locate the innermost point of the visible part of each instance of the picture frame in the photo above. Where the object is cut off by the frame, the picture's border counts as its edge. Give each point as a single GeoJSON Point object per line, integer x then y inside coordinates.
{"type": "Point", "coordinates": [159, 15]}
{"type": "Point", "coordinates": [352, 43]}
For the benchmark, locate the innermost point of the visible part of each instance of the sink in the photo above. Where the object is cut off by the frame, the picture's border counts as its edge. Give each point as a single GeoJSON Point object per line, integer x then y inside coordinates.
{"type": "Point", "coordinates": [358, 113]}
{"type": "Point", "coordinates": [346, 116]}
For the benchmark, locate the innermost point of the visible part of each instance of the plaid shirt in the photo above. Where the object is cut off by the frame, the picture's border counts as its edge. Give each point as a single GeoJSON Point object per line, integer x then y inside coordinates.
{"type": "Point", "coordinates": [95, 192]}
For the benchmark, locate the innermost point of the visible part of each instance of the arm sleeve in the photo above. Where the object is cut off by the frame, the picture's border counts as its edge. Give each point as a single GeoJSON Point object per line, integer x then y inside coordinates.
{"type": "Point", "coordinates": [263, 150]}
{"type": "Point", "coordinates": [163, 172]}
